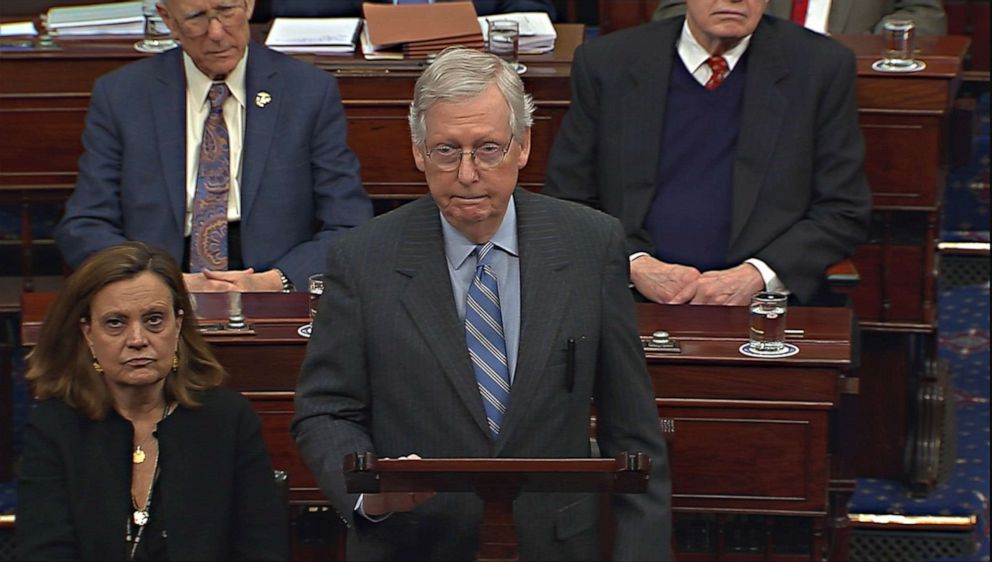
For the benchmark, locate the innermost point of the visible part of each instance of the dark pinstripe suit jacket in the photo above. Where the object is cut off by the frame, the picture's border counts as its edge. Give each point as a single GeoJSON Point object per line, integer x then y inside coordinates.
{"type": "Point", "coordinates": [387, 370]}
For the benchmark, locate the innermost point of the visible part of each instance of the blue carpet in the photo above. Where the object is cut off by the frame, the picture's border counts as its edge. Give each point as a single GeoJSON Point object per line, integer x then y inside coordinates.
{"type": "Point", "coordinates": [964, 343]}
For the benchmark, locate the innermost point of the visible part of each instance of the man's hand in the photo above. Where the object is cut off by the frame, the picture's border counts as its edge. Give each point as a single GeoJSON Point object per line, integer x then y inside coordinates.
{"type": "Point", "coordinates": [733, 286]}
{"type": "Point", "coordinates": [199, 283]}
{"type": "Point", "coordinates": [663, 282]}
{"type": "Point", "coordinates": [247, 281]}
{"type": "Point", "coordinates": [376, 505]}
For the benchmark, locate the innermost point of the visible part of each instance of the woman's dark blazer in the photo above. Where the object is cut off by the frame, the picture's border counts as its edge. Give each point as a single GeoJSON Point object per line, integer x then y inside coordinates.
{"type": "Point", "coordinates": [216, 490]}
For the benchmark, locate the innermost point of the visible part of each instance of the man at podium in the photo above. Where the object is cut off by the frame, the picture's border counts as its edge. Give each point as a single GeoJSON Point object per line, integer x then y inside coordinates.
{"type": "Point", "coordinates": [483, 321]}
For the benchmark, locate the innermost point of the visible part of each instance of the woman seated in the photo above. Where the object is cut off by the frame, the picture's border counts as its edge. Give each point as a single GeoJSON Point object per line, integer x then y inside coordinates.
{"type": "Point", "coordinates": [133, 450]}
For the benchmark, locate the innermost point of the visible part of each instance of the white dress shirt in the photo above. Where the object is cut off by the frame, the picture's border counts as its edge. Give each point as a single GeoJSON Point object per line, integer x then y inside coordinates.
{"type": "Point", "coordinates": [197, 109]}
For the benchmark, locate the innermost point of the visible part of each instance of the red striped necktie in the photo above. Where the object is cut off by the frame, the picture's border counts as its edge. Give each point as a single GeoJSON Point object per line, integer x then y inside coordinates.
{"type": "Point", "coordinates": [799, 10]}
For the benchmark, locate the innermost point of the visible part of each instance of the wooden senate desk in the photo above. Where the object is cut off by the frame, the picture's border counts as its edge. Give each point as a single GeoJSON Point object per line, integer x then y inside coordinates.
{"type": "Point", "coordinates": [754, 467]}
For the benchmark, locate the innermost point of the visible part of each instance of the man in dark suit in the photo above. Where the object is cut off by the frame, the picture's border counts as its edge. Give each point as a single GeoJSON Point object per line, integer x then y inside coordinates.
{"type": "Point", "coordinates": [727, 144]}
{"type": "Point", "coordinates": [353, 8]}
{"type": "Point", "coordinates": [482, 321]}
{"type": "Point", "coordinates": [291, 182]}
{"type": "Point", "coordinates": [844, 16]}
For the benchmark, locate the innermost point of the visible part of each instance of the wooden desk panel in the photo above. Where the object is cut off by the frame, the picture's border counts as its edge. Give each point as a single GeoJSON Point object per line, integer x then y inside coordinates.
{"type": "Point", "coordinates": [265, 365]}
{"type": "Point", "coordinates": [750, 435]}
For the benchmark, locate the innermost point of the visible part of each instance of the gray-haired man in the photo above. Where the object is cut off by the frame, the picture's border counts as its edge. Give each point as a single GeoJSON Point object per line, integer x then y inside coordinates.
{"type": "Point", "coordinates": [454, 340]}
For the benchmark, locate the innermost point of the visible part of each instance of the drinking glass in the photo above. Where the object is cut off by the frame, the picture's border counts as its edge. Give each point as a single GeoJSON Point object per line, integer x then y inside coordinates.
{"type": "Point", "coordinates": [315, 286]}
{"type": "Point", "coordinates": [899, 44]}
{"type": "Point", "coordinates": [504, 40]}
{"type": "Point", "coordinates": [767, 329]}
{"type": "Point", "coordinates": [157, 38]}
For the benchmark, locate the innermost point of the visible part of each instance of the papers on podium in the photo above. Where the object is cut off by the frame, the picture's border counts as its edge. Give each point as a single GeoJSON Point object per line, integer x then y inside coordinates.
{"type": "Point", "coordinates": [114, 18]}
{"type": "Point", "coordinates": [314, 35]}
{"type": "Point", "coordinates": [418, 30]}
{"type": "Point", "coordinates": [537, 33]}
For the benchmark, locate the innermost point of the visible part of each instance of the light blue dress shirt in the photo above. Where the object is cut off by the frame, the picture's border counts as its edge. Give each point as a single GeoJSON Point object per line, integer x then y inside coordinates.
{"type": "Point", "coordinates": [506, 266]}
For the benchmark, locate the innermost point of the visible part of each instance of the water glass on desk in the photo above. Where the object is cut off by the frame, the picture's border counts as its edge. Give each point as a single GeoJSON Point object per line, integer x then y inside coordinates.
{"type": "Point", "coordinates": [504, 40]}
{"type": "Point", "coordinates": [315, 286]}
{"type": "Point", "coordinates": [899, 43]}
{"type": "Point", "coordinates": [767, 326]}
{"type": "Point", "coordinates": [158, 38]}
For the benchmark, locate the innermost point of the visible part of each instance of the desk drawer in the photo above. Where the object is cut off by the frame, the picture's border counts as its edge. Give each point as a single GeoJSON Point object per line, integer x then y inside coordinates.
{"type": "Point", "coordinates": [748, 459]}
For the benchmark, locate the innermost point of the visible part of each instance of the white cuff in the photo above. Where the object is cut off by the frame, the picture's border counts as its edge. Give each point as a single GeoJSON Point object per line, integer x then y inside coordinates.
{"type": "Point", "coordinates": [360, 508]}
{"type": "Point", "coordinates": [636, 255]}
{"type": "Point", "coordinates": [768, 275]}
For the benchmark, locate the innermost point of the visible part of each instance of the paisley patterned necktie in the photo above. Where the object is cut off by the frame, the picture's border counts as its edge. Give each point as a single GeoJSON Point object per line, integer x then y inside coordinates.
{"type": "Point", "coordinates": [208, 236]}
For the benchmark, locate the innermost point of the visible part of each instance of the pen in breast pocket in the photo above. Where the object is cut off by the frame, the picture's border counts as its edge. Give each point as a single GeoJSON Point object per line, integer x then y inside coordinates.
{"type": "Point", "coordinates": [570, 366]}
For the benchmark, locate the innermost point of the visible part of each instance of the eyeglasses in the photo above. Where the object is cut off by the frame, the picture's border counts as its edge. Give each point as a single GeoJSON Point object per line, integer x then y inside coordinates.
{"type": "Point", "coordinates": [486, 157]}
{"type": "Point", "coordinates": [198, 23]}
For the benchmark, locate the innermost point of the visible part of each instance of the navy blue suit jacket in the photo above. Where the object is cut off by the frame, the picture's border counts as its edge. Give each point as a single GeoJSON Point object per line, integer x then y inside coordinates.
{"type": "Point", "coordinates": [300, 185]}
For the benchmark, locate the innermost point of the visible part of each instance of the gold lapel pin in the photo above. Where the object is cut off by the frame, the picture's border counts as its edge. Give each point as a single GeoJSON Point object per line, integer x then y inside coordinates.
{"type": "Point", "coordinates": [262, 98]}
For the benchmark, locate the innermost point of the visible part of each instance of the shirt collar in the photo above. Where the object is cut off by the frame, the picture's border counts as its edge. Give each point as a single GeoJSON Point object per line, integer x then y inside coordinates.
{"type": "Point", "coordinates": [198, 83]}
{"type": "Point", "coordinates": [458, 248]}
{"type": "Point", "coordinates": [694, 55]}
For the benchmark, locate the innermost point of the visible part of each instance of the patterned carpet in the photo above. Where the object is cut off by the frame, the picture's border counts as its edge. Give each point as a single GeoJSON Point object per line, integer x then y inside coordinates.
{"type": "Point", "coordinates": [964, 343]}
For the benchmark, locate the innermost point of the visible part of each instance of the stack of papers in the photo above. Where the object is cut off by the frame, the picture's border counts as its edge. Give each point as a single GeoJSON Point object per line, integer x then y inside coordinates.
{"type": "Point", "coordinates": [15, 28]}
{"type": "Point", "coordinates": [115, 18]}
{"type": "Point", "coordinates": [537, 33]}
{"type": "Point", "coordinates": [314, 35]}
{"type": "Point", "coordinates": [418, 30]}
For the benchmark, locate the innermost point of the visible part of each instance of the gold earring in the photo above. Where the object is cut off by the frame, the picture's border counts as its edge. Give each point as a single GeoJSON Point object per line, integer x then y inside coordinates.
{"type": "Point", "coordinates": [97, 367]}
{"type": "Point", "coordinates": [175, 362]}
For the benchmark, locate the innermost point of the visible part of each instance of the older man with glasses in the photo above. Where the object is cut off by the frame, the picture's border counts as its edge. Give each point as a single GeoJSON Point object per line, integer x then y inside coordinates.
{"type": "Point", "coordinates": [228, 155]}
{"type": "Point", "coordinates": [481, 321]}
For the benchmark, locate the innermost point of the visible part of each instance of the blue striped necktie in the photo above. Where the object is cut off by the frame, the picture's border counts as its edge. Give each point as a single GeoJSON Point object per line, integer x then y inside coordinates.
{"type": "Point", "coordinates": [486, 344]}
{"type": "Point", "coordinates": [208, 235]}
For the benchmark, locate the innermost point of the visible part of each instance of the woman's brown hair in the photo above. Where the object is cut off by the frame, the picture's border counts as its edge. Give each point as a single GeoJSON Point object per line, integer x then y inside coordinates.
{"type": "Point", "coordinates": [61, 366]}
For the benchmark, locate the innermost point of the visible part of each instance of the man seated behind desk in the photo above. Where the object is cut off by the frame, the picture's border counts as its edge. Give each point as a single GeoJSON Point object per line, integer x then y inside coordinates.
{"type": "Point", "coordinates": [228, 155]}
{"type": "Point", "coordinates": [480, 290]}
{"type": "Point", "coordinates": [843, 16]}
{"type": "Point", "coordinates": [730, 178]}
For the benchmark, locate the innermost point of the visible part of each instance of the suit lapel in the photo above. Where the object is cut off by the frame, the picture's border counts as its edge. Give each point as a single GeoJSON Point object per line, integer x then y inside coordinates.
{"type": "Point", "coordinates": [169, 114]}
{"type": "Point", "coordinates": [761, 118]}
{"type": "Point", "coordinates": [428, 300]}
{"type": "Point", "coordinates": [261, 78]}
{"type": "Point", "coordinates": [643, 108]}
{"type": "Point", "coordinates": [544, 292]}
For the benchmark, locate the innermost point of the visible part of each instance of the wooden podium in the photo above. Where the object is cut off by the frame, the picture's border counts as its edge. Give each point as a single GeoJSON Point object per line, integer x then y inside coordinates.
{"type": "Point", "coordinates": [497, 482]}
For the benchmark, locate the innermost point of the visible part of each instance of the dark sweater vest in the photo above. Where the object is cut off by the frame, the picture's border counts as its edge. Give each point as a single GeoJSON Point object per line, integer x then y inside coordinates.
{"type": "Point", "coordinates": [689, 218]}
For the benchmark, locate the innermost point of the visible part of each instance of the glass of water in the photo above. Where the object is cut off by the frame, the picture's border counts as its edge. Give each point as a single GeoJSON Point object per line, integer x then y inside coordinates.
{"type": "Point", "coordinates": [504, 40]}
{"type": "Point", "coordinates": [899, 44]}
{"type": "Point", "coordinates": [315, 286]}
{"type": "Point", "coordinates": [157, 38]}
{"type": "Point", "coordinates": [767, 328]}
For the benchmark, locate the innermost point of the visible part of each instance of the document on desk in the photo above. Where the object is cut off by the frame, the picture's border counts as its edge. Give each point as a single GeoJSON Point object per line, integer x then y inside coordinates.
{"type": "Point", "coordinates": [314, 35]}
{"type": "Point", "coordinates": [115, 18]}
{"type": "Point", "coordinates": [537, 33]}
{"type": "Point", "coordinates": [418, 30]}
{"type": "Point", "coordinates": [21, 28]}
